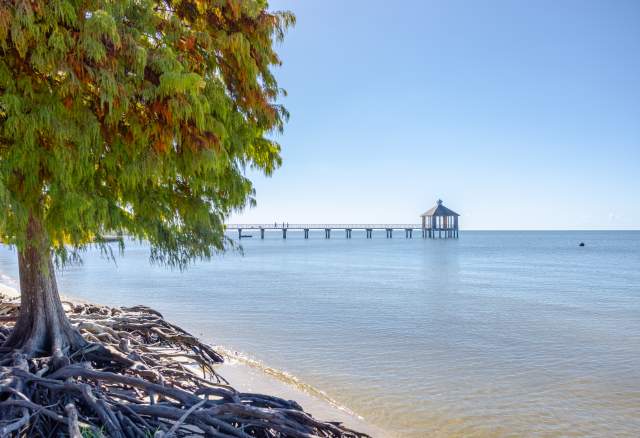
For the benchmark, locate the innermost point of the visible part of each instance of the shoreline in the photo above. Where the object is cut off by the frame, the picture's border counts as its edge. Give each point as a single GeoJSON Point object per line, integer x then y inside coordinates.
{"type": "Point", "coordinates": [249, 375]}
{"type": "Point", "coordinates": [244, 377]}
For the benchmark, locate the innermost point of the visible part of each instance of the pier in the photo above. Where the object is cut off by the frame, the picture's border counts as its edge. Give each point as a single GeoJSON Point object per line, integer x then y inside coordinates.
{"type": "Point", "coordinates": [437, 222]}
{"type": "Point", "coordinates": [406, 229]}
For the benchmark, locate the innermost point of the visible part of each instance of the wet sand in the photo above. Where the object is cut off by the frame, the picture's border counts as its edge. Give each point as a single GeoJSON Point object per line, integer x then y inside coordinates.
{"type": "Point", "coordinates": [246, 378]}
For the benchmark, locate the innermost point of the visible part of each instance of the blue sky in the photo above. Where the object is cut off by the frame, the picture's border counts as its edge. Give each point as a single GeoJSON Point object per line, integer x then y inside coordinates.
{"type": "Point", "coordinates": [519, 115]}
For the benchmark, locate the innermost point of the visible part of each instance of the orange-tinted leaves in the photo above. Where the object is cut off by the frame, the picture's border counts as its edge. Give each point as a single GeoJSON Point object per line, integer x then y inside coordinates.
{"type": "Point", "coordinates": [68, 102]}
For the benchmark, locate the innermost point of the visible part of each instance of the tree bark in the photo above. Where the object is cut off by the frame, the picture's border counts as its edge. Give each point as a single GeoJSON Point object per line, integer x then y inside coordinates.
{"type": "Point", "coordinates": [42, 328]}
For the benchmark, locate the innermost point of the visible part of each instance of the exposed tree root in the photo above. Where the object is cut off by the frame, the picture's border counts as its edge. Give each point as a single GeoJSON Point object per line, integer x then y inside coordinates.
{"type": "Point", "coordinates": [135, 378]}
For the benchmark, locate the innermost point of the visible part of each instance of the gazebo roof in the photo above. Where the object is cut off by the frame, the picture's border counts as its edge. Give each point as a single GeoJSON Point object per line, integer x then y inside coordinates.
{"type": "Point", "coordinates": [439, 210]}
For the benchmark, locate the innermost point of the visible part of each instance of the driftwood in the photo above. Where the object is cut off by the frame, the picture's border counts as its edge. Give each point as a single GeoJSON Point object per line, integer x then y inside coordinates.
{"type": "Point", "coordinates": [136, 379]}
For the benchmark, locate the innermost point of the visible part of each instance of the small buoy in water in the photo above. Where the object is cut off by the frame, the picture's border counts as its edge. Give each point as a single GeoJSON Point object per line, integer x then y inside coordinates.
{"type": "Point", "coordinates": [581, 244]}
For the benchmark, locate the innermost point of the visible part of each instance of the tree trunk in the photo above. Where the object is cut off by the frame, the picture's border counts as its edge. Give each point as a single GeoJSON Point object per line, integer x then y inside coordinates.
{"type": "Point", "coordinates": [42, 328]}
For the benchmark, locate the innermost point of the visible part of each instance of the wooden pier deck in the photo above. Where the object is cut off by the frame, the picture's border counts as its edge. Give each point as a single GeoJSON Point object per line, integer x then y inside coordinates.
{"type": "Point", "coordinates": [408, 229]}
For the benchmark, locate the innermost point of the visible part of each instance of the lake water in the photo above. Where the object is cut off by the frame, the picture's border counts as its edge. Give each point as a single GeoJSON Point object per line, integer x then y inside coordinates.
{"type": "Point", "coordinates": [493, 334]}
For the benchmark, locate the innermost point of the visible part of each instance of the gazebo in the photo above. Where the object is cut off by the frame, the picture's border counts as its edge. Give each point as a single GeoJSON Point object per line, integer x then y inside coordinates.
{"type": "Point", "coordinates": [441, 220]}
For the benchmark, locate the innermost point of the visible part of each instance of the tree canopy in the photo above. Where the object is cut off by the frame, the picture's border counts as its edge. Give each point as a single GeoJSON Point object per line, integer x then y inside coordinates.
{"type": "Point", "coordinates": [135, 116]}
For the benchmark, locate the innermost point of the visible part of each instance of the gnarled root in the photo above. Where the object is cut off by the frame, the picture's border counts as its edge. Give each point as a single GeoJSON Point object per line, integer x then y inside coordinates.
{"type": "Point", "coordinates": [135, 378]}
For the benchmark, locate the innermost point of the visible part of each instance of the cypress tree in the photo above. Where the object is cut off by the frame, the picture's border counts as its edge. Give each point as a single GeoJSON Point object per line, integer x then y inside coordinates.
{"type": "Point", "coordinates": [129, 116]}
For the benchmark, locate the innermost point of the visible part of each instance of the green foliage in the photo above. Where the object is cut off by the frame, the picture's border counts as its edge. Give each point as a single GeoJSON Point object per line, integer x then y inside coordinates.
{"type": "Point", "coordinates": [136, 117]}
{"type": "Point", "coordinates": [88, 432]}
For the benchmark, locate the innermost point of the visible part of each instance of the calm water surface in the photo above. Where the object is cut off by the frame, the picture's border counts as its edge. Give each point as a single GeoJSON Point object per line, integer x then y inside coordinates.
{"type": "Point", "coordinates": [494, 334]}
